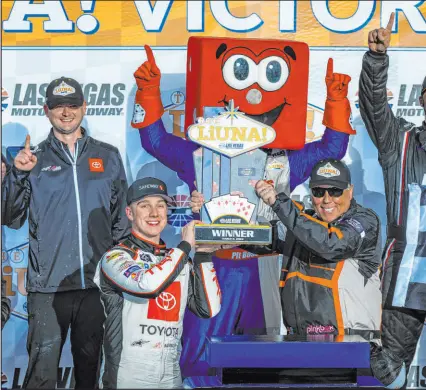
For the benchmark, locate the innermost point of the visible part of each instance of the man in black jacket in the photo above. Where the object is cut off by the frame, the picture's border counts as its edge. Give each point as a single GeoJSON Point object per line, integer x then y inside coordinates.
{"type": "Point", "coordinates": [402, 155]}
{"type": "Point", "coordinates": [74, 188]}
{"type": "Point", "coordinates": [331, 255]}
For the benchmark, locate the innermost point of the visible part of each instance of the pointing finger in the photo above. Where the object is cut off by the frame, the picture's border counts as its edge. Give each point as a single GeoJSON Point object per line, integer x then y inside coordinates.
{"type": "Point", "coordinates": [149, 55]}
{"type": "Point", "coordinates": [27, 142]}
{"type": "Point", "coordinates": [329, 73]}
{"type": "Point", "coordinates": [391, 21]}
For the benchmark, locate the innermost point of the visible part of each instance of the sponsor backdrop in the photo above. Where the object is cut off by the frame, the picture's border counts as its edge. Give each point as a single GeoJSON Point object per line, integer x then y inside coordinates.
{"type": "Point", "coordinates": [100, 43]}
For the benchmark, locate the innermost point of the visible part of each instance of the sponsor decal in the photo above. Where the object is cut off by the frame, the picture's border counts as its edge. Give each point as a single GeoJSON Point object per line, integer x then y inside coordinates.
{"type": "Point", "coordinates": [51, 168]}
{"type": "Point", "coordinates": [129, 271]}
{"type": "Point", "coordinates": [320, 329]}
{"type": "Point", "coordinates": [275, 165]}
{"type": "Point", "coordinates": [166, 306]}
{"type": "Point", "coordinates": [115, 255]}
{"type": "Point", "coordinates": [154, 330]}
{"type": "Point", "coordinates": [102, 99]}
{"type": "Point", "coordinates": [125, 265]}
{"type": "Point", "coordinates": [145, 257]}
{"type": "Point", "coordinates": [356, 225]}
{"type": "Point", "coordinates": [63, 89]}
{"type": "Point", "coordinates": [135, 275]}
{"type": "Point", "coordinates": [328, 171]}
{"type": "Point", "coordinates": [96, 165]}
{"type": "Point", "coordinates": [139, 343]}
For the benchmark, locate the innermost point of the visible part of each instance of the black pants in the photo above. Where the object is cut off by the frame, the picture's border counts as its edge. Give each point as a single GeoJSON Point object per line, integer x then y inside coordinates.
{"type": "Point", "coordinates": [401, 327]}
{"type": "Point", "coordinates": [50, 316]}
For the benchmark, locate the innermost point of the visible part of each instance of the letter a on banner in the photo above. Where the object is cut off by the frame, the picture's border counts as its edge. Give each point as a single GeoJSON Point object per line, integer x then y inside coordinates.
{"type": "Point", "coordinates": [24, 9]}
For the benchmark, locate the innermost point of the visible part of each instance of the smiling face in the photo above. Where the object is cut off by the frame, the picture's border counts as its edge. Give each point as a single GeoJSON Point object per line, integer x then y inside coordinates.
{"type": "Point", "coordinates": [329, 208]}
{"type": "Point", "coordinates": [267, 79]}
{"type": "Point", "coordinates": [149, 217]}
{"type": "Point", "coordinates": [66, 119]}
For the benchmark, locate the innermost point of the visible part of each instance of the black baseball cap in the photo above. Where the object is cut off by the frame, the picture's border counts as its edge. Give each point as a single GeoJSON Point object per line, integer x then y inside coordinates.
{"type": "Point", "coordinates": [149, 186]}
{"type": "Point", "coordinates": [423, 87]}
{"type": "Point", "coordinates": [64, 90]}
{"type": "Point", "coordinates": [331, 172]}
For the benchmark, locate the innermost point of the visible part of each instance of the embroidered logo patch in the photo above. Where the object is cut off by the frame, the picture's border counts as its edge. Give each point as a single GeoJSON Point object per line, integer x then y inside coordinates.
{"type": "Point", "coordinates": [63, 89]}
{"type": "Point", "coordinates": [328, 171]}
{"type": "Point", "coordinates": [96, 165]}
{"type": "Point", "coordinates": [51, 168]}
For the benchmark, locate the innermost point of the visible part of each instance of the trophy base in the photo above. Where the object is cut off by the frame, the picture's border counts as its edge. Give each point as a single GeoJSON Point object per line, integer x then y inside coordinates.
{"type": "Point", "coordinates": [233, 234]}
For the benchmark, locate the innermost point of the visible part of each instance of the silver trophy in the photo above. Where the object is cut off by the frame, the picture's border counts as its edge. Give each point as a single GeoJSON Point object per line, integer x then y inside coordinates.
{"type": "Point", "coordinates": [227, 166]}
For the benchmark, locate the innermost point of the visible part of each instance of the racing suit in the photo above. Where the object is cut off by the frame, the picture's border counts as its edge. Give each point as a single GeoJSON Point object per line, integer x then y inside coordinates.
{"type": "Point", "coordinates": [250, 284]}
{"type": "Point", "coordinates": [330, 279]}
{"type": "Point", "coordinates": [145, 290]}
{"type": "Point", "coordinates": [402, 156]}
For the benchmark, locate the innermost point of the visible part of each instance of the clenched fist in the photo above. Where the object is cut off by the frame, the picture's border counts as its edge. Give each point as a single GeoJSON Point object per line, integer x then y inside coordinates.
{"type": "Point", "coordinates": [379, 39]}
{"type": "Point", "coordinates": [266, 192]}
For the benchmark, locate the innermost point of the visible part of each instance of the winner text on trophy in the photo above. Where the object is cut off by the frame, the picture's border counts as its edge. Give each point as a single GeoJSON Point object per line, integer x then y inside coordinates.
{"type": "Point", "coordinates": [227, 166]}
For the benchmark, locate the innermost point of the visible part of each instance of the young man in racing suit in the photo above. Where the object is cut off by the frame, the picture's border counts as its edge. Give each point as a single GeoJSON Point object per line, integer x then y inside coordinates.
{"type": "Point", "coordinates": [250, 287]}
{"type": "Point", "coordinates": [145, 289]}
{"type": "Point", "coordinates": [402, 155]}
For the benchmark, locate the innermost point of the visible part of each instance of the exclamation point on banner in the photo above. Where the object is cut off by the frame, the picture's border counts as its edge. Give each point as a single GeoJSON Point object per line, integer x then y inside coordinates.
{"type": "Point", "coordinates": [264, 134]}
{"type": "Point", "coordinates": [310, 134]}
{"type": "Point", "coordinates": [87, 23]}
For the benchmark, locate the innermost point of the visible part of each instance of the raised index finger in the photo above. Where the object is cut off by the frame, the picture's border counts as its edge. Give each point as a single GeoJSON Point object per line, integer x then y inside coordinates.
{"type": "Point", "coordinates": [27, 142]}
{"type": "Point", "coordinates": [329, 73]}
{"type": "Point", "coordinates": [391, 21]}
{"type": "Point", "coordinates": [150, 55]}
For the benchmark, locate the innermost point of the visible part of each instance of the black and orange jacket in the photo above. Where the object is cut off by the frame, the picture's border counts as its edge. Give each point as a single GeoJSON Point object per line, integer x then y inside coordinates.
{"type": "Point", "coordinates": [330, 280]}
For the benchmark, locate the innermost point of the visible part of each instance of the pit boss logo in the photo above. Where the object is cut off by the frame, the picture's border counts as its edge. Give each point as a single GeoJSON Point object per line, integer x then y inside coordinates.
{"type": "Point", "coordinates": [231, 133]}
{"type": "Point", "coordinates": [63, 89]}
{"type": "Point", "coordinates": [328, 171]}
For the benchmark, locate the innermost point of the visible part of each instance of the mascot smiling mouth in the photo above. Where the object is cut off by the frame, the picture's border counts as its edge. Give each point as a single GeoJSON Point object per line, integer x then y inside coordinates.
{"type": "Point", "coordinates": [267, 118]}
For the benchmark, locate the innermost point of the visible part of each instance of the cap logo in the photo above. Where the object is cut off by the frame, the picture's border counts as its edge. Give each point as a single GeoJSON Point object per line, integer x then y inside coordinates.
{"type": "Point", "coordinates": [63, 89]}
{"type": "Point", "coordinates": [150, 186]}
{"type": "Point", "coordinates": [328, 171]}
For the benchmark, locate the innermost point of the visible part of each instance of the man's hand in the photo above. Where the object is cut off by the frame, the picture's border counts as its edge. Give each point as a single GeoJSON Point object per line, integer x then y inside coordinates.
{"type": "Point", "coordinates": [266, 192]}
{"type": "Point", "coordinates": [3, 170]}
{"type": "Point", "coordinates": [337, 83]}
{"type": "Point", "coordinates": [379, 39]}
{"type": "Point", "coordinates": [188, 232]}
{"type": "Point", "coordinates": [197, 201]}
{"type": "Point", "coordinates": [25, 160]}
{"type": "Point", "coordinates": [148, 75]}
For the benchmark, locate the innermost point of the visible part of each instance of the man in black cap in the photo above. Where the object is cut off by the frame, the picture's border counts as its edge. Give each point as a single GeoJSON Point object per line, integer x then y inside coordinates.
{"type": "Point", "coordinates": [401, 147]}
{"type": "Point", "coordinates": [331, 255]}
{"type": "Point", "coordinates": [145, 290]}
{"type": "Point", "coordinates": [74, 189]}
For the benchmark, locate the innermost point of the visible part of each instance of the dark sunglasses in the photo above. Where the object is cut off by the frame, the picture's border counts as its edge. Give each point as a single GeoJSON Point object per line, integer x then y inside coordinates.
{"type": "Point", "coordinates": [319, 192]}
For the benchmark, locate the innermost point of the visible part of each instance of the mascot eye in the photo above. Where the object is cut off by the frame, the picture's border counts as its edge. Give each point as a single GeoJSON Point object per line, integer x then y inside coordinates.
{"type": "Point", "coordinates": [273, 73]}
{"type": "Point", "coordinates": [239, 72]}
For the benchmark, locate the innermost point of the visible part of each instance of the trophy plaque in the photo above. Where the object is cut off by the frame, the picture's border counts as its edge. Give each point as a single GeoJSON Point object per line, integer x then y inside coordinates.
{"type": "Point", "coordinates": [227, 166]}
